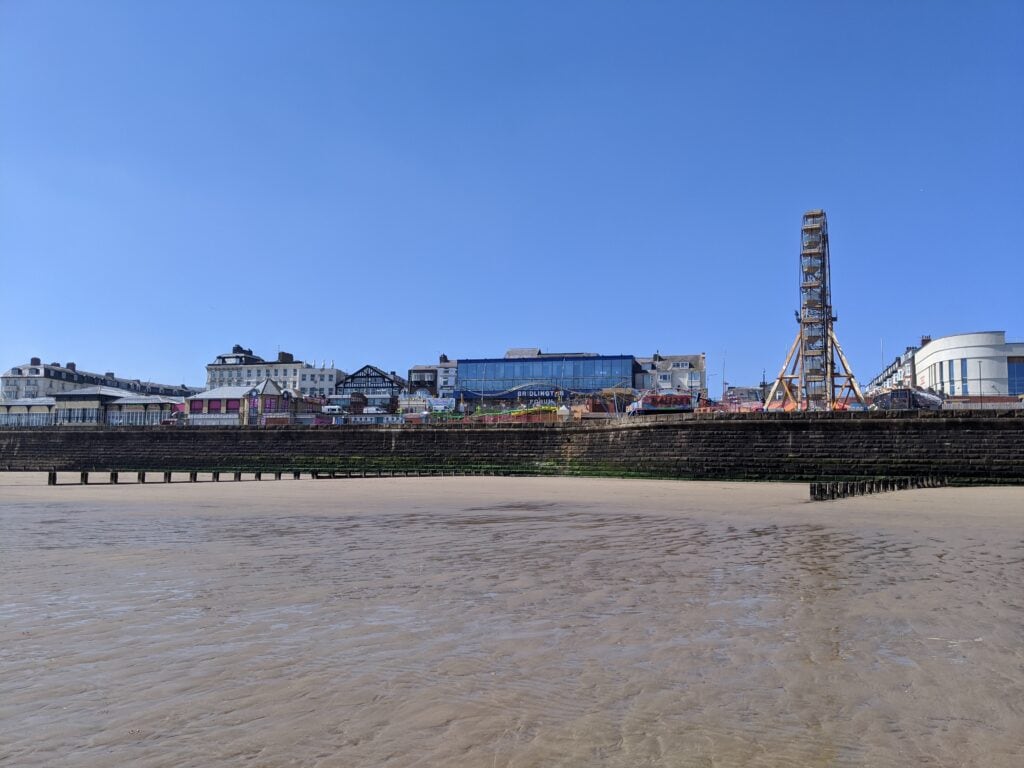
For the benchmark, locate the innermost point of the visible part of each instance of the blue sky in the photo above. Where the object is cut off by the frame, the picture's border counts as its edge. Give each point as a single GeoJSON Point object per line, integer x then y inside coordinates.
{"type": "Point", "coordinates": [385, 181]}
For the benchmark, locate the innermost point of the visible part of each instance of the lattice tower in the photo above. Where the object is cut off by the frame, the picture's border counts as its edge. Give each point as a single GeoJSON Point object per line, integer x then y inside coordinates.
{"type": "Point", "coordinates": [816, 375]}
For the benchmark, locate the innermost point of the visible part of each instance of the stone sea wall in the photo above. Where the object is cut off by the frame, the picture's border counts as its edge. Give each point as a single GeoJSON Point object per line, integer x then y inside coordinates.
{"type": "Point", "coordinates": [965, 448]}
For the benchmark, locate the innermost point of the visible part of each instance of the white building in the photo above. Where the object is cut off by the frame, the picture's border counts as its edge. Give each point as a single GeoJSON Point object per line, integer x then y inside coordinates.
{"type": "Point", "coordinates": [241, 368]}
{"type": "Point", "coordinates": [675, 373]}
{"type": "Point", "coordinates": [38, 379]}
{"type": "Point", "coordinates": [898, 374]}
{"type": "Point", "coordinates": [975, 365]}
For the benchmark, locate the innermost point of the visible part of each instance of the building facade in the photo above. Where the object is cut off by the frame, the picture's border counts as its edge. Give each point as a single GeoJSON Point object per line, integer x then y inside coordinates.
{"type": "Point", "coordinates": [525, 375]}
{"type": "Point", "coordinates": [673, 373]}
{"type": "Point", "coordinates": [899, 374]}
{"type": "Point", "coordinates": [368, 388]}
{"type": "Point", "coordinates": [27, 412]}
{"type": "Point", "coordinates": [36, 379]}
{"type": "Point", "coordinates": [91, 406]}
{"type": "Point", "coordinates": [144, 410]}
{"type": "Point", "coordinates": [971, 365]}
{"type": "Point", "coordinates": [438, 379]}
{"type": "Point", "coordinates": [264, 404]}
{"type": "Point", "coordinates": [241, 368]}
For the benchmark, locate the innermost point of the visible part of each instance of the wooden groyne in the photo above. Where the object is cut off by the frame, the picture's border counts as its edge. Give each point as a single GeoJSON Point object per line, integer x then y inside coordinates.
{"type": "Point", "coordinates": [844, 488]}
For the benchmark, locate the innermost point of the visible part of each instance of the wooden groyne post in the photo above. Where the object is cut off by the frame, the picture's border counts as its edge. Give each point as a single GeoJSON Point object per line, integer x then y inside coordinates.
{"type": "Point", "coordinates": [841, 489]}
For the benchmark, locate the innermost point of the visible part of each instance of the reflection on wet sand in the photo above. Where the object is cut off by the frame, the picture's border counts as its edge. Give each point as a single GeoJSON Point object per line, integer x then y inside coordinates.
{"type": "Point", "coordinates": [509, 622]}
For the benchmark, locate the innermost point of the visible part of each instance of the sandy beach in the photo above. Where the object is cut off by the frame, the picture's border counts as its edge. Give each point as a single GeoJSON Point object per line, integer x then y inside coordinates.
{"type": "Point", "coordinates": [508, 622]}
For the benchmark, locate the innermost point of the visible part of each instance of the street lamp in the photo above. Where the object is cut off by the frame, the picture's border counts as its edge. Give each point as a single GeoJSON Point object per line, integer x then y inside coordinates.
{"type": "Point", "coordinates": [710, 375]}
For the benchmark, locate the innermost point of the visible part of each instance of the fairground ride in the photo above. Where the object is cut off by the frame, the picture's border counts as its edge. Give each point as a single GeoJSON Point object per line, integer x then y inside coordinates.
{"type": "Point", "coordinates": [816, 375]}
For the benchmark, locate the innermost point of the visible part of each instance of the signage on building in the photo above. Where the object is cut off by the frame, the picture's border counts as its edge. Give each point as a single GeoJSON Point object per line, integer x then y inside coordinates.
{"type": "Point", "coordinates": [538, 393]}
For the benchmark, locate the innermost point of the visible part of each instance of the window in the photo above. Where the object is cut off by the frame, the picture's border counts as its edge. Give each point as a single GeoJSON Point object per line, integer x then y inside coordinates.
{"type": "Point", "coordinates": [963, 376]}
{"type": "Point", "coordinates": [1015, 375]}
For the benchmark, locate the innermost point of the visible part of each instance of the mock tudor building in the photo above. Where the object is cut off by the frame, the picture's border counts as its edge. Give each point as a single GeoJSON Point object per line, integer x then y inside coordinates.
{"type": "Point", "coordinates": [369, 387]}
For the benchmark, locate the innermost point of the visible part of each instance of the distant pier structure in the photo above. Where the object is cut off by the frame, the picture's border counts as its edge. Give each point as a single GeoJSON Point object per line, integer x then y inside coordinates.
{"type": "Point", "coordinates": [816, 375]}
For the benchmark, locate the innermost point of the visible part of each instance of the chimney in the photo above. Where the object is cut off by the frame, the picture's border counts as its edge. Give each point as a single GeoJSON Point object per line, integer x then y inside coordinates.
{"type": "Point", "coordinates": [285, 357]}
{"type": "Point", "coordinates": [925, 340]}
{"type": "Point", "coordinates": [70, 366]}
{"type": "Point", "coordinates": [35, 361]}
{"type": "Point", "coordinates": [109, 375]}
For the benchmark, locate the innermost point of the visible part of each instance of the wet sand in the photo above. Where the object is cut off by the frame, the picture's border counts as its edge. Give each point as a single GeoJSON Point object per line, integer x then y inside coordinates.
{"type": "Point", "coordinates": [508, 622]}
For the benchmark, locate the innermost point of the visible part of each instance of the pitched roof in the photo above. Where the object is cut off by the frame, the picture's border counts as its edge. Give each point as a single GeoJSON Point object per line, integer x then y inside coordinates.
{"type": "Point", "coordinates": [149, 400]}
{"type": "Point", "coordinates": [222, 393]}
{"type": "Point", "coordinates": [394, 378]}
{"type": "Point", "coordinates": [87, 392]}
{"type": "Point", "coordinates": [265, 387]}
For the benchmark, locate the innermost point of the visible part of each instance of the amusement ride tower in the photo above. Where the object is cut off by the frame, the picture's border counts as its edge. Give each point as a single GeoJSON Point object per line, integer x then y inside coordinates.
{"type": "Point", "coordinates": [816, 375]}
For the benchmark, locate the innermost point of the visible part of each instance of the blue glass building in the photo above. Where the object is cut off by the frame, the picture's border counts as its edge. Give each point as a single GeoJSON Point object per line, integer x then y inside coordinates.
{"type": "Point", "coordinates": [543, 376]}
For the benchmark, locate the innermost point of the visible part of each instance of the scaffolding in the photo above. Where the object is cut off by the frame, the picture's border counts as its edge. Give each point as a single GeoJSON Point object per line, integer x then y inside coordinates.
{"type": "Point", "coordinates": [816, 375]}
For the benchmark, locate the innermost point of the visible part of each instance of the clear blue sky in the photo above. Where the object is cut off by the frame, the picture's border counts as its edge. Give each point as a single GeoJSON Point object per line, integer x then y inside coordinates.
{"type": "Point", "coordinates": [384, 181]}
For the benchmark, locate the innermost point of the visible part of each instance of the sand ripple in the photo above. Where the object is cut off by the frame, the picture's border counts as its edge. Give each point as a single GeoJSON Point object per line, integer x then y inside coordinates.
{"type": "Point", "coordinates": [496, 622]}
